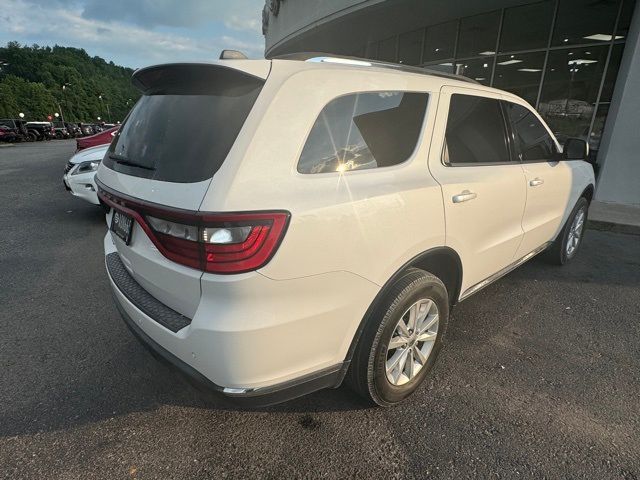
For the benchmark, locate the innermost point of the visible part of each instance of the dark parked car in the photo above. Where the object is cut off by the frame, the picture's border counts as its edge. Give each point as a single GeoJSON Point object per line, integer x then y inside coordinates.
{"type": "Point", "coordinates": [17, 126]}
{"type": "Point", "coordinates": [41, 130]}
{"type": "Point", "coordinates": [61, 130]}
{"type": "Point", "coordinates": [74, 129]}
{"type": "Point", "coordinates": [86, 129]}
{"type": "Point", "coordinates": [7, 134]}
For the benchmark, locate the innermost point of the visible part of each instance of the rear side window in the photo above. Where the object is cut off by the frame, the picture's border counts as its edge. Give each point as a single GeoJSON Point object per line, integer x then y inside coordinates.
{"type": "Point", "coordinates": [532, 140]}
{"type": "Point", "coordinates": [364, 130]}
{"type": "Point", "coordinates": [184, 125]}
{"type": "Point", "coordinates": [476, 131]}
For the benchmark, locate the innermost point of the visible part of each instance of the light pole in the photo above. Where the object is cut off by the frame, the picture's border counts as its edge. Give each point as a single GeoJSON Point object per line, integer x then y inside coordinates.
{"type": "Point", "coordinates": [64, 125]}
{"type": "Point", "coordinates": [101, 97]}
{"type": "Point", "coordinates": [101, 104]}
{"type": "Point", "coordinates": [64, 94]}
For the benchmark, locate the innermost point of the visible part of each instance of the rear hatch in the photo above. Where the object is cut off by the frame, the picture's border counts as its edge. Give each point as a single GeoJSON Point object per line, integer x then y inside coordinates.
{"type": "Point", "coordinates": [160, 164]}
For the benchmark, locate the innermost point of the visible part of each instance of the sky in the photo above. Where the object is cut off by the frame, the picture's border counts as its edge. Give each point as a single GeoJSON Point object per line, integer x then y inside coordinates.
{"type": "Point", "coordinates": [136, 33]}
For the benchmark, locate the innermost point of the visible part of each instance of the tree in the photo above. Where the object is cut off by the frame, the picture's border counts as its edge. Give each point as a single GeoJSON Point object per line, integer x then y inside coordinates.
{"type": "Point", "coordinates": [33, 81]}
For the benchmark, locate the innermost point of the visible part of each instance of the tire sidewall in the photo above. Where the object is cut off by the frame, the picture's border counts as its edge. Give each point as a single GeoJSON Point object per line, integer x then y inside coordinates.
{"type": "Point", "coordinates": [381, 390]}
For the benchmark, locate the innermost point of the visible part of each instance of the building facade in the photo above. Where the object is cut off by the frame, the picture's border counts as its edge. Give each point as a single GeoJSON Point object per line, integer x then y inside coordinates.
{"type": "Point", "coordinates": [576, 61]}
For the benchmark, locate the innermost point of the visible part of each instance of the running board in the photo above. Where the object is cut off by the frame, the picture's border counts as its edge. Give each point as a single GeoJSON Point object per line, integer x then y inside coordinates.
{"type": "Point", "coordinates": [498, 275]}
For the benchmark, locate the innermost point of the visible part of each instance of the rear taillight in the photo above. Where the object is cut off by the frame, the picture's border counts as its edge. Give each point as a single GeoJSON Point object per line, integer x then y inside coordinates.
{"type": "Point", "coordinates": [241, 242]}
{"type": "Point", "coordinates": [214, 243]}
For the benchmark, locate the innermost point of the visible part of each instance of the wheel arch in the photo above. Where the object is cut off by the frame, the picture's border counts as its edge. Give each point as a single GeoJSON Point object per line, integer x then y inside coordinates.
{"type": "Point", "coordinates": [443, 262]}
{"type": "Point", "coordinates": [588, 193]}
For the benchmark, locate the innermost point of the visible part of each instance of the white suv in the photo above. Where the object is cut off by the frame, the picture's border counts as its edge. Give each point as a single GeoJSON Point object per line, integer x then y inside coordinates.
{"type": "Point", "coordinates": [279, 226]}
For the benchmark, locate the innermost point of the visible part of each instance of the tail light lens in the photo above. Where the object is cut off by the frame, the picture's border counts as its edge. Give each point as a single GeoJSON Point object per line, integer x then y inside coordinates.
{"type": "Point", "coordinates": [214, 243]}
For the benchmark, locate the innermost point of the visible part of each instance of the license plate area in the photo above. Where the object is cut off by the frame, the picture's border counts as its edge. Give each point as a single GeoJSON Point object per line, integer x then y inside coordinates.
{"type": "Point", "coordinates": [122, 225]}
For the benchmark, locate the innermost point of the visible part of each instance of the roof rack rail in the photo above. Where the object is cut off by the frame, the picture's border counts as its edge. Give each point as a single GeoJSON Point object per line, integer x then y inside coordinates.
{"type": "Point", "coordinates": [319, 57]}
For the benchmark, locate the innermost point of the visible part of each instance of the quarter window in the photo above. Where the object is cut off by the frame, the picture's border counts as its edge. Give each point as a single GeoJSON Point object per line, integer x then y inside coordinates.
{"type": "Point", "coordinates": [532, 140]}
{"type": "Point", "coordinates": [364, 130]}
{"type": "Point", "coordinates": [475, 131]}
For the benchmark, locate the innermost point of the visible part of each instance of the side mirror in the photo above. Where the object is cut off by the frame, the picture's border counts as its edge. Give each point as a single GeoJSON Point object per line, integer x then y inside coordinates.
{"type": "Point", "coordinates": [575, 149]}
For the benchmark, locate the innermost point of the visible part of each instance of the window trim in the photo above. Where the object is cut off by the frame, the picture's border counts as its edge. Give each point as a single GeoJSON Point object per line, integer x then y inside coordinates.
{"type": "Point", "coordinates": [507, 133]}
{"type": "Point", "coordinates": [557, 156]}
{"type": "Point", "coordinates": [419, 141]}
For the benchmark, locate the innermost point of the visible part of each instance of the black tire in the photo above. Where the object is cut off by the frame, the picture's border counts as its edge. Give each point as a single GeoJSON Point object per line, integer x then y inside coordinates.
{"type": "Point", "coordinates": [367, 372]}
{"type": "Point", "coordinates": [557, 253]}
{"type": "Point", "coordinates": [32, 137]}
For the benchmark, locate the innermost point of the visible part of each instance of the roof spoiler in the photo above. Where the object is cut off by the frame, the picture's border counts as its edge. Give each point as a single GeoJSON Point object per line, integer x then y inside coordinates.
{"type": "Point", "coordinates": [194, 79]}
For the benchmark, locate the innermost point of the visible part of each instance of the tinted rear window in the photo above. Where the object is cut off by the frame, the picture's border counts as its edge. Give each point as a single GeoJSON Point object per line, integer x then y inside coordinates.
{"type": "Point", "coordinates": [476, 131]}
{"type": "Point", "coordinates": [182, 128]}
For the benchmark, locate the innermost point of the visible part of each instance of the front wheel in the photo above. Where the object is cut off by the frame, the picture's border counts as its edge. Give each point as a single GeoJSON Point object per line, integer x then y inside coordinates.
{"type": "Point", "coordinates": [566, 246]}
{"type": "Point", "coordinates": [401, 340]}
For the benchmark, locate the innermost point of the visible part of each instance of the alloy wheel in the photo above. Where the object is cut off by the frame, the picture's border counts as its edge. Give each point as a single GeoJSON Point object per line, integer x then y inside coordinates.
{"type": "Point", "coordinates": [412, 341]}
{"type": "Point", "coordinates": [575, 232]}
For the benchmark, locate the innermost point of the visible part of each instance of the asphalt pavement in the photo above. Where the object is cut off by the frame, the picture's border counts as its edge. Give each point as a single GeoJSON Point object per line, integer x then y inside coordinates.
{"type": "Point", "coordinates": [540, 375]}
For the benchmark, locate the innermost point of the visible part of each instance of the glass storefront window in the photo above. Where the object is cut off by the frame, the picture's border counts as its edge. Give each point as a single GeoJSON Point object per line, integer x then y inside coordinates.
{"type": "Point", "coordinates": [520, 74]}
{"type": "Point", "coordinates": [371, 50]}
{"type": "Point", "coordinates": [410, 47]}
{"type": "Point", "coordinates": [568, 81]}
{"type": "Point", "coordinates": [612, 73]}
{"type": "Point", "coordinates": [440, 41]}
{"type": "Point", "coordinates": [585, 21]}
{"type": "Point", "coordinates": [570, 89]}
{"type": "Point", "coordinates": [358, 53]}
{"type": "Point", "coordinates": [479, 69]}
{"type": "Point", "coordinates": [598, 127]}
{"type": "Point", "coordinates": [625, 18]}
{"type": "Point", "coordinates": [526, 27]}
{"type": "Point", "coordinates": [387, 50]}
{"type": "Point", "coordinates": [478, 35]}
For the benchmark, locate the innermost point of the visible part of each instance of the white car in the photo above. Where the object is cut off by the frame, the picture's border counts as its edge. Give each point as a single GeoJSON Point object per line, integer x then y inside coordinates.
{"type": "Point", "coordinates": [279, 226]}
{"type": "Point", "coordinates": [80, 171]}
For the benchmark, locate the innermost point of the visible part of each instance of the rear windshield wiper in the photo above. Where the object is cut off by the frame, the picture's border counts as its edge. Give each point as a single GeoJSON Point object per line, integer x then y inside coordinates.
{"type": "Point", "coordinates": [122, 160]}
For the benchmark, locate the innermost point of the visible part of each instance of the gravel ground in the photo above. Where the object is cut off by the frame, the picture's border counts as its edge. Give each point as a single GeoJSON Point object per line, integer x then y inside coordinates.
{"type": "Point", "coordinates": [540, 376]}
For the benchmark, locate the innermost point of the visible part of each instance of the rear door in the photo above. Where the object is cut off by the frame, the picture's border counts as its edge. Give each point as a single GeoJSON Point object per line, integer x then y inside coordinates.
{"type": "Point", "coordinates": [548, 181]}
{"type": "Point", "coordinates": [483, 187]}
{"type": "Point", "coordinates": [164, 156]}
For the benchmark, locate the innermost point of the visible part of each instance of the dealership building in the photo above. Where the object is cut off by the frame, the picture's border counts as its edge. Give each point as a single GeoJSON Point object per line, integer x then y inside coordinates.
{"type": "Point", "coordinates": [576, 61]}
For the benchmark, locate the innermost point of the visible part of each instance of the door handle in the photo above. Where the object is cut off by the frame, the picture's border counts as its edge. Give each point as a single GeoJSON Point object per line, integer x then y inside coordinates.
{"type": "Point", "coordinates": [536, 182]}
{"type": "Point", "coordinates": [465, 196]}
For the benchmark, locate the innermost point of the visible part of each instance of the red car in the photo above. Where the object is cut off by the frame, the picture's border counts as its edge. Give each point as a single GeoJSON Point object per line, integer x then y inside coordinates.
{"type": "Point", "coordinates": [101, 138]}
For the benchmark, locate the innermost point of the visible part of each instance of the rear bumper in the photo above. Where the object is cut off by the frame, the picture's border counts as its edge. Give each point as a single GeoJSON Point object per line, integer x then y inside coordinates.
{"type": "Point", "coordinates": [255, 340]}
{"type": "Point", "coordinates": [327, 378]}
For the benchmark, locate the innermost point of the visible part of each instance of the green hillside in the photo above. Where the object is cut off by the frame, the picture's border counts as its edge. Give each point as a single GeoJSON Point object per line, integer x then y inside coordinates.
{"type": "Point", "coordinates": [32, 80]}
